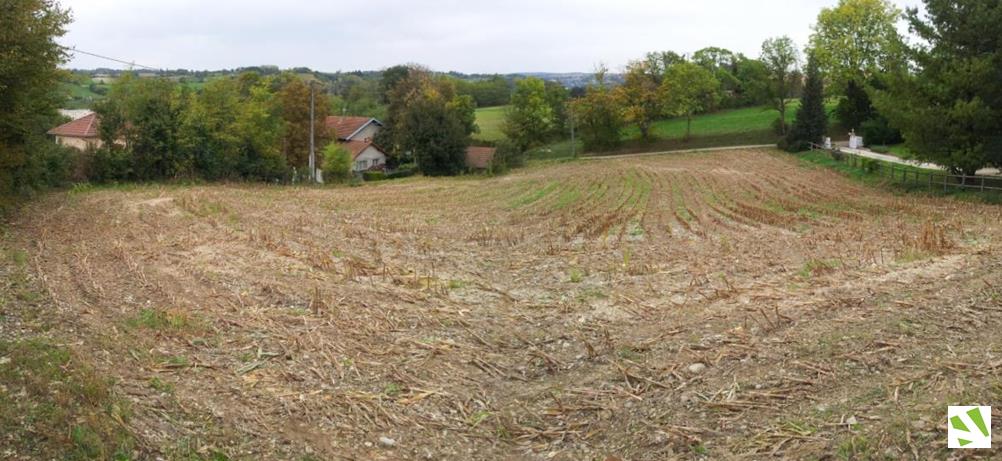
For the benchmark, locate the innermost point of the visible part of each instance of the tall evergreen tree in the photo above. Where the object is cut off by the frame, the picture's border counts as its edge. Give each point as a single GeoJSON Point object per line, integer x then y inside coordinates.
{"type": "Point", "coordinates": [950, 108]}
{"type": "Point", "coordinates": [812, 120]}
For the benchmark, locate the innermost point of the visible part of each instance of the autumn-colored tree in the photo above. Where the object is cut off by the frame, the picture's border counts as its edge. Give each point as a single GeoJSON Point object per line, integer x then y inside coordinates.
{"type": "Point", "coordinates": [640, 97]}
{"type": "Point", "coordinates": [294, 105]}
{"type": "Point", "coordinates": [598, 115]}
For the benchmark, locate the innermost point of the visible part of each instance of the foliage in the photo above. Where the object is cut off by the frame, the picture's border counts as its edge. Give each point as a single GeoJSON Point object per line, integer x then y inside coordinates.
{"type": "Point", "coordinates": [598, 116]}
{"type": "Point", "coordinates": [430, 120]}
{"type": "Point", "coordinates": [506, 157]}
{"type": "Point", "coordinates": [658, 62]}
{"type": "Point", "coordinates": [29, 96]}
{"type": "Point", "coordinates": [689, 89]}
{"type": "Point", "coordinates": [950, 108]}
{"type": "Point", "coordinates": [878, 131]}
{"type": "Point", "coordinates": [855, 107]}
{"type": "Point", "coordinates": [640, 97]}
{"type": "Point", "coordinates": [352, 94]}
{"type": "Point", "coordinates": [530, 118]}
{"type": "Point", "coordinates": [153, 129]}
{"type": "Point", "coordinates": [812, 119]}
{"type": "Point", "coordinates": [374, 176]}
{"type": "Point", "coordinates": [781, 58]}
{"type": "Point", "coordinates": [489, 92]}
{"type": "Point", "coordinates": [337, 163]}
{"type": "Point", "coordinates": [856, 40]}
{"type": "Point", "coordinates": [293, 100]}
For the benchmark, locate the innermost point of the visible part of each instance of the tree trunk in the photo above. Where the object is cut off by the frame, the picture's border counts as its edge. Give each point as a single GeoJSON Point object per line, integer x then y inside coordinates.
{"type": "Point", "coordinates": [688, 126]}
{"type": "Point", "coordinates": [782, 117]}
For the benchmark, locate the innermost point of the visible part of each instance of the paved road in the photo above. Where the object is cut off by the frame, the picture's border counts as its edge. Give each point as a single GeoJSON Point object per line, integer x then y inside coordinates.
{"type": "Point", "coordinates": [892, 159]}
{"type": "Point", "coordinates": [860, 152]}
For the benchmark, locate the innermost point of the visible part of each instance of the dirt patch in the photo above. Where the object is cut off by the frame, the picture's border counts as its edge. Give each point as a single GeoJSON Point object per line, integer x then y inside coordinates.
{"type": "Point", "coordinates": [711, 305]}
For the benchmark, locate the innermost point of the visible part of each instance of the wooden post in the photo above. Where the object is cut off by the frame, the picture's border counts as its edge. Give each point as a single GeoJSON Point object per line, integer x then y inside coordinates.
{"type": "Point", "coordinates": [982, 184]}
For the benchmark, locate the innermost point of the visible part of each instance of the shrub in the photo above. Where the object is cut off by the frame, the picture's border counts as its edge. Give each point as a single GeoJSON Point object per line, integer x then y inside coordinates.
{"type": "Point", "coordinates": [373, 176]}
{"type": "Point", "coordinates": [878, 131]}
{"type": "Point", "coordinates": [402, 172]}
{"type": "Point", "coordinates": [111, 164]}
{"type": "Point", "coordinates": [337, 163]}
{"type": "Point", "coordinates": [779, 126]}
{"type": "Point", "coordinates": [507, 156]}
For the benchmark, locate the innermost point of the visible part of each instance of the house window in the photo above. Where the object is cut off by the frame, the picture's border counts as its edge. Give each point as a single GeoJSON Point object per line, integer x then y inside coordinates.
{"type": "Point", "coordinates": [362, 164]}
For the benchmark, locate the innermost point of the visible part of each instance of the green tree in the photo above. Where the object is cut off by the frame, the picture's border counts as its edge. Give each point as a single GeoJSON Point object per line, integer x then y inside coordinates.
{"type": "Point", "coordinates": [598, 115]}
{"type": "Point", "coordinates": [147, 115]}
{"type": "Point", "coordinates": [781, 58]}
{"type": "Point", "coordinates": [29, 96]}
{"type": "Point", "coordinates": [659, 61]}
{"type": "Point", "coordinates": [812, 120]}
{"type": "Point", "coordinates": [856, 40]}
{"type": "Point", "coordinates": [640, 97]}
{"type": "Point", "coordinates": [435, 123]}
{"type": "Point", "coordinates": [336, 163]}
{"type": "Point", "coordinates": [689, 89]}
{"type": "Point", "coordinates": [556, 97]}
{"type": "Point", "coordinates": [530, 118]}
{"type": "Point", "coordinates": [950, 107]}
{"type": "Point", "coordinates": [753, 82]}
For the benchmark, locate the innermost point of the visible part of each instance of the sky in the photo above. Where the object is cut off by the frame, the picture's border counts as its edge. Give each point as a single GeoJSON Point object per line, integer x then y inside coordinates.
{"type": "Point", "coordinates": [499, 36]}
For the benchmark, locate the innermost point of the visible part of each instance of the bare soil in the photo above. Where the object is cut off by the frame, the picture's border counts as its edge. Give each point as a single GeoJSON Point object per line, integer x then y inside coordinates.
{"type": "Point", "coordinates": [729, 305]}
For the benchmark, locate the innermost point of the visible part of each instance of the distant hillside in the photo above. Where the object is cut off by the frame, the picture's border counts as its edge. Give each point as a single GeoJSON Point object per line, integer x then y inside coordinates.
{"type": "Point", "coordinates": [83, 87]}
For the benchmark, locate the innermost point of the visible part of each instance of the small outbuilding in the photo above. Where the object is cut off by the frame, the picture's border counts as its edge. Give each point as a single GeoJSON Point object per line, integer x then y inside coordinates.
{"type": "Point", "coordinates": [81, 134]}
{"type": "Point", "coordinates": [479, 158]}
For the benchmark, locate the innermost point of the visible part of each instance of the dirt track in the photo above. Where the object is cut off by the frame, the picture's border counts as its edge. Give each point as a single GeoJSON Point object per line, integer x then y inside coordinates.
{"type": "Point", "coordinates": [726, 305]}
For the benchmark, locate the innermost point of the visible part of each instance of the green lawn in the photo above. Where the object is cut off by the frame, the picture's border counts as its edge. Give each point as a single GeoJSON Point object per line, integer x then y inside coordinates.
{"type": "Point", "coordinates": [490, 120]}
{"type": "Point", "coordinates": [746, 120]}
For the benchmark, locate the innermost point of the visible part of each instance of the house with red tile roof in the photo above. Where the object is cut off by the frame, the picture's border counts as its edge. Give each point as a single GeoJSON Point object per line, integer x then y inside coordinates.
{"type": "Point", "coordinates": [82, 133]}
{"type": "Point", "coordinates": [479, 158]}
{"type": "Point", "coordinates": [357, 134]}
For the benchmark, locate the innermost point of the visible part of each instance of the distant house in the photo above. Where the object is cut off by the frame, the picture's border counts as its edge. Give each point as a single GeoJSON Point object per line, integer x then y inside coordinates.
{"type": "Point", "coordinates": [357, 134]}
{"type": "Point", "coordinates": [479, 158]}
{"type": "Point", "coordinates": [81, 134]}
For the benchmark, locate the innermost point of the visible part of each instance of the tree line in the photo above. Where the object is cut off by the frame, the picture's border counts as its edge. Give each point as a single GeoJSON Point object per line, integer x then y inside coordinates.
{"type": "Point", "coordinates": [941, 96]}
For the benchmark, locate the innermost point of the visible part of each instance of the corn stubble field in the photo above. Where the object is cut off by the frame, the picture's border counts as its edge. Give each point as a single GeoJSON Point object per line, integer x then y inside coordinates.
{"type": "Point", "coordinates": [725, 305]}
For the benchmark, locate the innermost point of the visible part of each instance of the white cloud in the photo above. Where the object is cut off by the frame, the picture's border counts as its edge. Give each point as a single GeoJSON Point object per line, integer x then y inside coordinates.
{"type": "Point", "coordinates": [468, 36]}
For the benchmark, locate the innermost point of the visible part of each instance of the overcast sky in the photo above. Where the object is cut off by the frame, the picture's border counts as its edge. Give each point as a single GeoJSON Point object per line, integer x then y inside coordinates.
{"type": "Point", "coordinates": [468, 36]}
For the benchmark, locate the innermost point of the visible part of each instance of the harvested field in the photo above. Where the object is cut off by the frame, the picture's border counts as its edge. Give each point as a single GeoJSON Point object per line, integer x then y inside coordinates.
{"type": "Point", "coordinates": [724, 305]}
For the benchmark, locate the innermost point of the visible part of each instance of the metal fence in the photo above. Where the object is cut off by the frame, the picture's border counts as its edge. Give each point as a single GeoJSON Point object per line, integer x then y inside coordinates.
{"type": "Point", "coordinates": [913, 175]}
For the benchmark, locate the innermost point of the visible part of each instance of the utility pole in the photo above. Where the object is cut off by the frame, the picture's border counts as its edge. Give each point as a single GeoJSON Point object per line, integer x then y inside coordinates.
{"type": "Point", "coordinates": [574, 143]}
{"type": "Point", "coordinates": [313, 152]}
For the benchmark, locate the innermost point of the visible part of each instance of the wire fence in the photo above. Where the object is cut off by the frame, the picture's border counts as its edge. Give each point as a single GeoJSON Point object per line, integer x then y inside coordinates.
{"type": "Point", "coordinates": [915, 176]}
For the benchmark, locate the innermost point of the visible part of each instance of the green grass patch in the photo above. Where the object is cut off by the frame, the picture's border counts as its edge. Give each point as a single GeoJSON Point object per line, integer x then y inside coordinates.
{"type": "Point", "coordinates": [815, 267]}
{"type": "Point", "coordinates": [874, 173]}
{"type": "Point", "coordinates": [534, 195]}
{"type": "Point", "coordinates": [162, 320]}
{"type": "Point", "coordinates": [491, 123]}
{"type": "Point", "coordinates": [54, 406]}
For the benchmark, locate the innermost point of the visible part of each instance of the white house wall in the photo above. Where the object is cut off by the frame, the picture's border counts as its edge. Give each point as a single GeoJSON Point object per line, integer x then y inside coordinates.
{"type": "Point", "coordinates": [369, 155]}
{"type": "Point", "coordinates": [368, 132]}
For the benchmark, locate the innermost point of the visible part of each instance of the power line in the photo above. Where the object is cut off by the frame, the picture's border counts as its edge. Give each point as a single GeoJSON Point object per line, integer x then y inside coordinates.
{"type": "Point", "coordinates": [120, 61]}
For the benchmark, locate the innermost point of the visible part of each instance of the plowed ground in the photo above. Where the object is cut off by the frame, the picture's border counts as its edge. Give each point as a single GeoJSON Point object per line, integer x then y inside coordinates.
{"type": "Point", "coordinates": [715, 305]}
